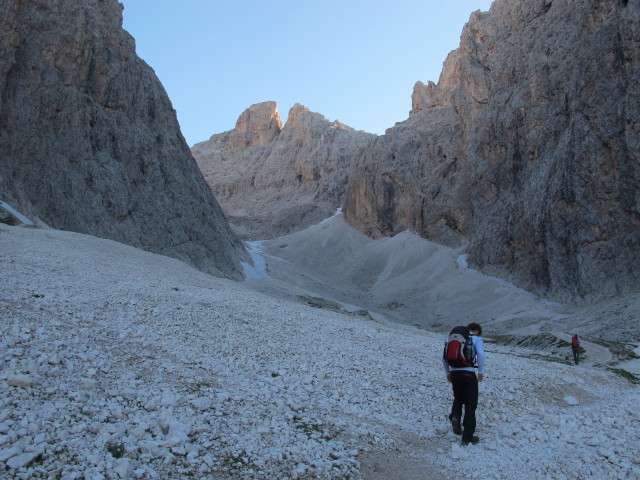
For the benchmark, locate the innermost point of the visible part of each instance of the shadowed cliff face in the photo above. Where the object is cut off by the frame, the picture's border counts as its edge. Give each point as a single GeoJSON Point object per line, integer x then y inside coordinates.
{"type": "Point", "coordinates": [89, 141]}
{"type": "Point", "coordinates": [527, 150]}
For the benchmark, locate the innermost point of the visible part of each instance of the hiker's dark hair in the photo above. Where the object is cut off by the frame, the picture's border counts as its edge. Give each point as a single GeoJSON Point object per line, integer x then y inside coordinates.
{"type": "Point", "coordinates": [475, 327]}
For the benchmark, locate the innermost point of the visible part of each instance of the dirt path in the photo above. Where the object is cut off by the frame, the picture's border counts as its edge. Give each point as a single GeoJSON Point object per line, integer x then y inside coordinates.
{"type": "Point", "coordinates": [412, 459]}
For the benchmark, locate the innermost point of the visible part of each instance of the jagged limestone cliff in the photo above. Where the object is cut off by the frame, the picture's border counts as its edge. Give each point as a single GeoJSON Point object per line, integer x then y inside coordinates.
{"type": "Point", "coordinates": [527, 150]}
{"type": "Point", "coordinates": [89, 141]}
{"type": "Point", "coordinates": [273, 180]}
{"type": "Point", "coordinates": [526, 153]}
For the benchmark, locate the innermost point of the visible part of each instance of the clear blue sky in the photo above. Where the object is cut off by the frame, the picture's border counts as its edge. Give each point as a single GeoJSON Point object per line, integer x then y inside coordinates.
{"type": "Point", "coordinates": [355, 61]}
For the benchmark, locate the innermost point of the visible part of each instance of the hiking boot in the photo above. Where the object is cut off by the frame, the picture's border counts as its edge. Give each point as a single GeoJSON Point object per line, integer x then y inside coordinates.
{"type": "Point", "coordinates": [455, 424]}
{"type": "Point", "coordinates": [473, 441]}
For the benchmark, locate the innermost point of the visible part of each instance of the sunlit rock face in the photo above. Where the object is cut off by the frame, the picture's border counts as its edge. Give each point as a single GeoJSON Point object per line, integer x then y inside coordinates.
{"type": "Point", "coordinates": [527, 150]}
{"type": "Point", "coordinates": [89, 141]}
{"type": "Point", "coordinates": [272, 180]}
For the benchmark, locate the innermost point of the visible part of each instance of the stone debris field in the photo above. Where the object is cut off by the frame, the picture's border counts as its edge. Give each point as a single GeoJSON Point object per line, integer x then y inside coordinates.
{"type": "Point", "coordinates": [118, 363]}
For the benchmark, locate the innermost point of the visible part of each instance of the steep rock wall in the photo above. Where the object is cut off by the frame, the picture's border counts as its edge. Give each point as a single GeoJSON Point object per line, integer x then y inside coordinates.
{"type": "Point", "coordinates": [89, 141]}
{"type": "Point", "coordinates": [527, 150]}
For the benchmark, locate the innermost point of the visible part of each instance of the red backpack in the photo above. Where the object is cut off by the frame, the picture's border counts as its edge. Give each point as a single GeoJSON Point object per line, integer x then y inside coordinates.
{"type": "Point", "coordinates": [458, 350]}
{"type": "Point", "coordinates": [575, 343]}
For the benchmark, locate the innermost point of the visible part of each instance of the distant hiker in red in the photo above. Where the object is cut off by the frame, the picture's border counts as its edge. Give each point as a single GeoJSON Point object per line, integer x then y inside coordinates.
{"type": "Point", "coordinates": [575, 347]}
{"type": "Point", "coordinates": [463, 353]}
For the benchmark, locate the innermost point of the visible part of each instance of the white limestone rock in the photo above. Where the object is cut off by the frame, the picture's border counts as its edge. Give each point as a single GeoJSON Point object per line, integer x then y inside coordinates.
{"type": "Point", "coordinates": [570, 400]}
{"type": "Point", "coordinates": [7, 453]}
{"type": "Point", "coordinates": [271, 180]}
{"type": "Point", "coordinates": [22, 460]}
{"type": "Point", "coordinates": [178, 434]}
{"type": "Point", "coordinates": [20, 380]}
{"type": "Point", "coordinates": [202, 403]}
{"type": "Point", "coordinates": [123, 467]}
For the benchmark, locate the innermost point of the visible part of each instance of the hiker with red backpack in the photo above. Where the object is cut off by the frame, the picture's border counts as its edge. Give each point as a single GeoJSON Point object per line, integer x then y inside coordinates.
{"type": "Point", "coordinates": [463, 353]}
{"type": "Point", "coordinates": [575, 347]}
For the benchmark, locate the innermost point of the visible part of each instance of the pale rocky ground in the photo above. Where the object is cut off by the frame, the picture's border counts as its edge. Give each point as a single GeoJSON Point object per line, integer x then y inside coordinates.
{"type": "Point", "coordinates": [108, 351]}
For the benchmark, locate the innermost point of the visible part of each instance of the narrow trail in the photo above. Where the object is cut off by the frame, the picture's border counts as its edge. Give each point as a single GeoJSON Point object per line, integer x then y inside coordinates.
{"type": "Point", "coordinates": [594, 353]}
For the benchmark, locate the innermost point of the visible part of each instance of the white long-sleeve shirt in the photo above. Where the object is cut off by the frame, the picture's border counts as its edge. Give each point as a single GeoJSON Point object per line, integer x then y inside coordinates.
{"type": "Point", "coordinates": [478, 345]}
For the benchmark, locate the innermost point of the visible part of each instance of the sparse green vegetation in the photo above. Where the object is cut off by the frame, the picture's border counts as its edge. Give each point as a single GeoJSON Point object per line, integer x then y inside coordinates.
{"type": "Point", "coordinates": [116, 449]}
{"type": "Point", "coordinates": [622, 351]}
{"type": "Point", "coordinates": [309, 429]}
{"type": "Point", "coordinates": [323, 303]}
{"type": "Point", "coordinates": [541, 341]}
{"type": "Point", "coordinates": [549, 358]}
{"type": "Point", "coordinates": [313, 430]}
{"type": "Point", "coordinates": [319, 302]}
{"type": "Point", "coordinates": [559, 351]}
{"type": "Point", "coordinates": [8, 219]}
{"type": "Point", "coordinates": [237, 461]}
{"type": "Point", "coordinates": [624, 374]}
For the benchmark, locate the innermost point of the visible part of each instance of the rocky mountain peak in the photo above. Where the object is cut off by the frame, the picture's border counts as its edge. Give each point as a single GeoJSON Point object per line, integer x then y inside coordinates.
{"type": "Point", "coordinates": [301, 117]}
{"type": "Point", "coordinates": [257, 126]}
{"type": "Point", "coordinates": [464, 78]}
{"type": "Point", "coordinates": [295, 180]}
{"type": "Point", "coordinates": [303, 125]}
{"type": "Point", "coordinates": [424, 96]}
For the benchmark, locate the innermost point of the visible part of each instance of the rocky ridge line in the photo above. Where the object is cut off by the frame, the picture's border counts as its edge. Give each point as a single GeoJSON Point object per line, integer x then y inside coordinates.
{"type": "Point", "coordinates": [272, 180]}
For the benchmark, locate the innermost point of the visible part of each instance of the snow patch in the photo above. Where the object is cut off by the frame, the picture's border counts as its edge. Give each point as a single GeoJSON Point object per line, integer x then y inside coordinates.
{"type": "Point", "coordinates": [16, 213]}
{"type": "Point", "coordinates": [462, 261]}
{"type": "Point", "coordinates": [570, 400]}
{"type": "Point", "coordinates": [336, 214]}
{"type": "Point", "coordinates": [259, 267]}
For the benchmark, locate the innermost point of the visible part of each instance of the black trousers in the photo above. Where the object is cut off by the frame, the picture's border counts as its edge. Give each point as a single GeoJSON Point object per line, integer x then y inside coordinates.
{"type": "Point", "coordinates": [465, 393]}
